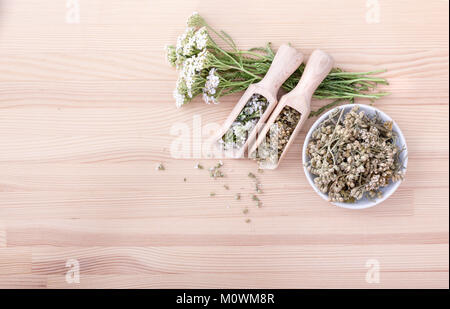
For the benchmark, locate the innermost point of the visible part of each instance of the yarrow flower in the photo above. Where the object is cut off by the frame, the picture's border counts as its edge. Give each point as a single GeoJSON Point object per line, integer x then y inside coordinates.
{"type": "Point", "coordinates": [191, 80]}
{"type": "Point", "coordinates": [179, 97]}
{"type": "Point", "coordinates": [195, 20]}
{"type": "Point", "coordinates": [185, 40]}
{"type": "Point", "coordinates": [201, 38]}
{"type": "Point", "coordinates": [196, 53]}
{"type": "Point", "coordinates": [171, 55]}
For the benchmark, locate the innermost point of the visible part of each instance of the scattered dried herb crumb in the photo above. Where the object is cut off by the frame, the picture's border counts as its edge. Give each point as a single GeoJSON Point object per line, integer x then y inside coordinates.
{"type": "Point", "coordinates": [255, 198]}
{"type": "Point", "coordinates": [245, 211]}
{"type": "Point", "coordinates": [160, 167]}
{"type": "Point", "coordinates": [212, 194]}
{"type": "Point", "coordinates": [251, 175]}
{"type": "Point", "coordinates": [198, 166]}
{"type": "Point", "coordinates": [226, 187]}
{"type": "Point", "coordinates": [215, 172]}
{"type": "Point", "coordinates": [184, 179]}
{"type": "Point", "coordinates": [237, 196]}
{"type": "Point", "coordinates": [248, 220]}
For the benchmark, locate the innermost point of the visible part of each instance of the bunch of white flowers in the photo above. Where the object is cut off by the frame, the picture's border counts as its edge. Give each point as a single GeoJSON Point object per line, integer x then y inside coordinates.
{"type": "Point", "coordinates": [192, 59]}
{"type": "Point", "coordinates": [195, 62]}
{"type": "Point", "coordinates": [207, 69]}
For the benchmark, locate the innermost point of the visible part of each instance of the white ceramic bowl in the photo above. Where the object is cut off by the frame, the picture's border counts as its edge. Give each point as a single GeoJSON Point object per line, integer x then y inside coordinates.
{"type": "Point", "coordinates": [389, 189]}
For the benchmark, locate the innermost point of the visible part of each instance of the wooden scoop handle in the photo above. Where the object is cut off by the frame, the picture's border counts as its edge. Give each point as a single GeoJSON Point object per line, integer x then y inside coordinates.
{"type": "Point", "coordinates": [285, 62]}
{"type": "Point", "coordinates": [317, 68]}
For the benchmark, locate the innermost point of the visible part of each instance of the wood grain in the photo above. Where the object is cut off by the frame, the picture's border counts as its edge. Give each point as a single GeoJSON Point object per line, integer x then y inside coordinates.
{"type": "Point", "coordinates": [86, 113]}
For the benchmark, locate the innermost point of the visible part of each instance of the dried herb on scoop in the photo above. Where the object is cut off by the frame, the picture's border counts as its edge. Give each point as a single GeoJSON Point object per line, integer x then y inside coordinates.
{"type": "Point", "coordinates": [278, 136]}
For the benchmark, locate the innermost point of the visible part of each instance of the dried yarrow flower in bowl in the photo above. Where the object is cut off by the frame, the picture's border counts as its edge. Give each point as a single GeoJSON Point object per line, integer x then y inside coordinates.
{"type": "Point", "coordinates": [355, 156]}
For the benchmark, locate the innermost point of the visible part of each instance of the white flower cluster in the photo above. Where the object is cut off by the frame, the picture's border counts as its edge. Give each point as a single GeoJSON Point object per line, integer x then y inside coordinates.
{"type": "Point", "coordinates": [237, 135]}
{"type": "Point", "coordinates": [201, 38]}
{"type": "Point", "coordinates": [190, 80]}
{"type": "Point", "coordinates": [210, 89]}
{"type": "Point", "coordinates": [184, 47]}
{"type": "Point", "coordinates": [353, 157]}
{"type": "Point", "coordinates": [194, 63]}
{"type": "Point", "coordinates": [191, 42]}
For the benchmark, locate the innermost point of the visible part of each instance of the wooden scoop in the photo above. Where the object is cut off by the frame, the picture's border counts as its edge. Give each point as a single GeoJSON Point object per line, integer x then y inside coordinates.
{"type": "Point", "coordinates": [299, 99]}
{"type": "Point", "coordinates": [285, 62]}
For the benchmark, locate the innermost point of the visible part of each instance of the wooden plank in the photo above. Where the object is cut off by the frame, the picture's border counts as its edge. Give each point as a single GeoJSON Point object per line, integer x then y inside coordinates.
{"type": "Point", "coordinates": [237, 259]}
{"type": "Point", "coordinates": [23, 282]}
{"type": "Point", "coordinates": [291, 280]}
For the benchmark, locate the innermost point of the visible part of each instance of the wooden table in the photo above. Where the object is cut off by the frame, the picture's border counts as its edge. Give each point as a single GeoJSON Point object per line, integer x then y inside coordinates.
{"type": "Point", "coordinates": [86, 114]}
